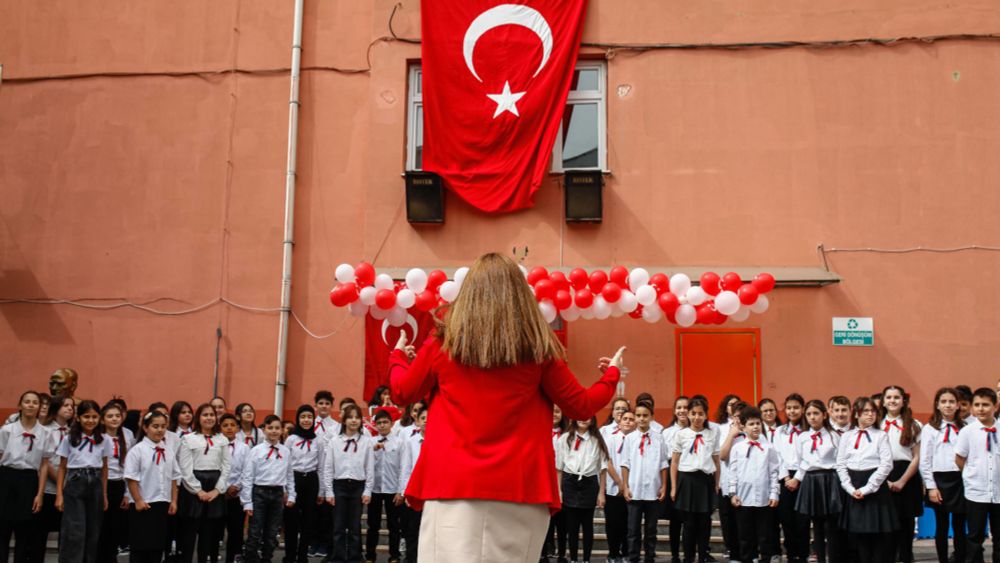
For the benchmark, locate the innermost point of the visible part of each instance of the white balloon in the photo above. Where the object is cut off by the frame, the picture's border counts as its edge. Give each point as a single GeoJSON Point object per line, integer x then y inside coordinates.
{"type": "Point", "coordinates": [358, 309]}
{"type": "Point", "coordinates": [397, 316]}
{"type": "Point", "coordinates": [685, 315]}
{"type": "Point", "coordinates": [602, 309]}
{"type": "Point", "coordinates": [727, 302]}
{"type": "Point", "coordinates": [645, 295]}
{"type": "Point", "coordinates": [406, 298]}
{"type": "Point", "coordinates": [638, 278]}
{"type": "Point", "coordinates": [344, 273]}
{"type": "Point", "coordinates": [587, 313]}
{"type": "Point", "coordinates": [570, 313]}
{"type": "Point", "coordinates": [679, 284]}
{"type": "Point", "coordinates": [367, 295]}
{"type": "Point", "coordinates": [460, 275]}
{"type": "Point", "coordinates": [416, 279]}
{"type": "Point", "coordinates": [380, 314]}
{"type": "Point", "coordinates": [628, 301]}
{"type": "Point", "coordinates": [548, 310]}
{"type": "Point", "coordinates": [741, 315]}
{"type": "Point", "coordinates": [616, 311]}
{"type": "Point", "coordinates": [384, 281]}
{"type": "Point", "coordinates": [760, 305]}
{"type": "Point", "coordinates": [449, 291]}
{"type": "Point", "coordinates": [682, 299]}
{"type": "Point", "coordinates": [696, 296]}
{"type": "Point", "coordinates": [651, 314]}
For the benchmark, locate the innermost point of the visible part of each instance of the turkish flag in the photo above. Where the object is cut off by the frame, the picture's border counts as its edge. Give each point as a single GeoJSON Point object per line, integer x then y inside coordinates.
{"type": "Point", "coordinates": [381, 338]}
{"type": "Point", "coordinates": [495, 80]}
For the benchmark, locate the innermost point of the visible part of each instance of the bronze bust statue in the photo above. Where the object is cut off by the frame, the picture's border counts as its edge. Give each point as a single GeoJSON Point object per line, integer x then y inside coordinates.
{"type": "Point", "coordinates": [63, 381]}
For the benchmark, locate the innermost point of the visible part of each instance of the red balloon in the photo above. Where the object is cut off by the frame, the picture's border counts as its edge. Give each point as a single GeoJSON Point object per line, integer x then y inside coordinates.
{"type": "Point", "coordinates": [350, 291]}
{"type": "Point", "coordinates": [544, 289]}
{"type": "Point", "coordinates": [705, 314]}
{"type": "Point", "coordinates": [748, 294]}
{"type": "Point", "coordinates": [560, 280]}
{"type": "Point", "coordinates": [426, 300]}
{"type": "Point", "coordinates": [584, 298]}
{"type": "Point", "coordinates": [337, 296]}
{"type": "Point", "coordinates": [537, 273]}
{"type": "Point", "coordinates": [385, 299]}
{"type": "Point", "coordinates": [763, 282]}
{"type": "Point", "coordinates": [720, 318]}
{"type": "Point", "coordinates": [661, 282]}
{"type": "Point", "coordinates": [435, 279]}
{"type": "Point", "coordinates": [619, 275]}
{"type": "Point", "coordinates": [579, 278]}
{"type": "Point", "coordinates": [364, 273]}
{"type": "Point", "coordinates": [597, 281]}
{"type": "Point", "coordinates": [672, 317]}
{"type": "Point", "coordinates": [612, 292]}
{"type": "Point", "coordinates": [731, 282]}
{"type": "Point", "coordinates": [637, 314]}
{"type": "Point", "coordinates": [668, 302]}
{"type": "Point", "coordinates": [562, 300]}
{"type": "Point", "coordinates": [710, 283]}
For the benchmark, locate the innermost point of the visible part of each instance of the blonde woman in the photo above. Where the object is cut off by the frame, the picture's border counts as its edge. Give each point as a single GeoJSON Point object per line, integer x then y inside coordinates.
{"type": "Point", "coordinates": [486, 476]}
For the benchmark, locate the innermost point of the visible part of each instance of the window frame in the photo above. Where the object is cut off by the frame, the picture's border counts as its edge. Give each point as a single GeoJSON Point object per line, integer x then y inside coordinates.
{"type": "Point", "coordinates": [414, 102]}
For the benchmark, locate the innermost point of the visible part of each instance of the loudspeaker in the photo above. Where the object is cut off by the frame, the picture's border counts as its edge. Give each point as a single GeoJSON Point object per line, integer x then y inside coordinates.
{"type": "Point", "coordinates": [424, 198]}
{"type": "Point", "coordinates": [584, 198]}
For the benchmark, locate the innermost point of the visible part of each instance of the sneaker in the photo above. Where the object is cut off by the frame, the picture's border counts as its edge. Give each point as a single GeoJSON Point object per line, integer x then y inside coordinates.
{"type": "Point", "coordinates": [322, 552]}
{"type": "Point", "coordinates": [707, 558]}
{"type": "Point", "coordinates": [311, 552]}
{"type": "Point", "coordinates": [123, 550]}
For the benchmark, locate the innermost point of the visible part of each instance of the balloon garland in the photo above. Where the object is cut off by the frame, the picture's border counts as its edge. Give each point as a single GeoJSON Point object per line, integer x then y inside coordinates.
{"type": "Point", "coordinates": [580, 295]}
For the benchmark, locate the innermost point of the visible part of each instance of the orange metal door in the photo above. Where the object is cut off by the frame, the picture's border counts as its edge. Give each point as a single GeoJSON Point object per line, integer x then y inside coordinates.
{"type": "Point", "coordinates": [715, 362]}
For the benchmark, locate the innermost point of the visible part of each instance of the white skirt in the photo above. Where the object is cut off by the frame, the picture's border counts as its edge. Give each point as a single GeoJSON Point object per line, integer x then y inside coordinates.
{"type": "Point", "coordinates": [484, 531]}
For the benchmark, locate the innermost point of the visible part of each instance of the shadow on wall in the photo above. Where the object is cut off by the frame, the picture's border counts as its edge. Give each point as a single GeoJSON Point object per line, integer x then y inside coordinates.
{"type": "Point", "coordinates": [31, 322]}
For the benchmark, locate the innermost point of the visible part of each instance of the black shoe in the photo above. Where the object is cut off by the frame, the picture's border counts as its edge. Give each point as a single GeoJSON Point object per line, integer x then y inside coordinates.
{"type": "Point", "coordinates": [707, 558]}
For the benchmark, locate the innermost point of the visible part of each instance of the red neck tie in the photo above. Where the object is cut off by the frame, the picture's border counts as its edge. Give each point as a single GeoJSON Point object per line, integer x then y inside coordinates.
{"type": "Point", "coordinates": [62, 432]}
{"type": "Point", "coordinates": [86, 441]}
{"type": "Point", "coordinates": [991, 436]}
{"type": "Point", "coordinates": [576, 447]}
{"type": "Point", "coordinates": [793, 432]}
{"type": "Point", "coordinates": [115, 440]}
{"type": "Point", "coordinates": [617, 430]}
{"type": "Point", "coordinates": [414, 432]}
{"type": "Point", "coordinates": [248, 440]}
{"type": "Point", "coordinates": [31, 440]}
{"type": "Point", "coordinates": [208, 444]}
{"type": "Point", "coordinates": [274, 450]}
{"type": "Point", "coordinates": [185, 433]}
{"type": "Point", "coordinates": [621, 445]}
{"type": "Point", "coordinates": [158, 455]}
{"type": "Point", "coordinates": [349, 443]}
{"type": "Point", "coordinates": [752, 445]}
{"type": "Point", "coordinates": [890, 423]}
{"type": "Point", "coordinates": [319, 426]}
{"type": "Point", "coordinates": [861, 433]}
{"type": "Point", "coordinates": [698, 440]}
{"type": "Point", "coordinates": [642, 443]}
{"type": "Point", "coordinates": [307, 443]}
{"type": "Point", "coordinates": [232, 448]}
{"type": "Point", "coordinates": [948, 430]}
{"type": "Point", "coordinates": [817, 438]}
{"type": "Point", "coordinates": [556, 432]}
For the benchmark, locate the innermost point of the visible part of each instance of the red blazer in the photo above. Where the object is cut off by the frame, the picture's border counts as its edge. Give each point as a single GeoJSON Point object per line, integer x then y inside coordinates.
{"type": "Point", "coordinates": [489, 432]}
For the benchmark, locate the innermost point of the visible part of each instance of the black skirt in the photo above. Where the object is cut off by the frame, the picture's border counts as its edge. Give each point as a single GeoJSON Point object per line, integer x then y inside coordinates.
{"type": "Point", "coordinates": [910, 501]}
{"type": "Point", "coordinates": [188, 505]}
{"type": "Point", "coordinates": [695, 492]}
{"type": "Point", "coordinates": [820, 494]}
{"type": "Point", "coordinates": [874, 514]}
{"type": "Point", "coordinates": [952, 490]}
{"type": "Point", "coordinates": [18, 488]}
{"type": "Point", "coordinates": [148, 529]}
{"type": "Point", "coordinates": [579, 492]}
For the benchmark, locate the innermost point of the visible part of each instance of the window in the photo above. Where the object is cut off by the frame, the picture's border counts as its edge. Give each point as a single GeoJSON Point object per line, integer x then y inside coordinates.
{"type": "Point", "coordinates": [582, 140]}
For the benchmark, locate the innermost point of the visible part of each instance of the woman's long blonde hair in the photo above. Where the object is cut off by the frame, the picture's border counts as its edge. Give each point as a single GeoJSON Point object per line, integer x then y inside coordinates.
{"type": "Point", "coordinates": [495, 321]}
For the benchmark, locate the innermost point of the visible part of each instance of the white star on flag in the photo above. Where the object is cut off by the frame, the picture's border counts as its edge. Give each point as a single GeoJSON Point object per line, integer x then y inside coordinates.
{"type": "Point", "coordinates": [506, 100]}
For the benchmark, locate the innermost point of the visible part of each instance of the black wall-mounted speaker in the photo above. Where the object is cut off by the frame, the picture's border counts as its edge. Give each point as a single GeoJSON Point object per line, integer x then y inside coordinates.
{"type": "Point", "coordinates": [584, 197]}
{"type": "Point", "coordinates": [424, 198]}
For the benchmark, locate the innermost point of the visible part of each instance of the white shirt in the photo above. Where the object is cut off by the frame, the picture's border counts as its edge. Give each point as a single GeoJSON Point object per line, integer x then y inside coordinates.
{"type": "Point", "coordinates": [251, 438]}
{"type": "Point", "coordinates": [25, 449]}
{"type": "Point", "coordinates": [668, 438]}
{"type": "Point", "coordinates": [154, 467]}
{"type": "Point", "coordinates": [56, 434]}
{"type": "Point", "coordinates": [839, 430]}
{"type": "Point", "coordinates": [198, 452]}
{"type": "Point", "coordinates": [754, 467]}
{"type": "Point", "coordinates": [326, 427]}
{"type": "Point", "coordinates": [386, 468]}
{"type": "Point", "coordinates": [784, 443]}
{"type": "Point", "coordinates": [894, 428]}
{"type": "Point", "coordinates": [655, 426]}
{"type": "Point", "coordinates": [349, 458]}
{"type": "Point", "coordinates": [816, 450]}
{"type": "Point", "coordinates": [116, 466]}
{"type": "Point", "coordinates": [582, 456]}
{"type": "Point", "coordinates": [644, 455]}
{"type": "Point", "coordinates": [267, 466]}
{"type": "Point", "coordinates": [305, 453]}
{"type": "Point", "coordinates": [616, 447]}
{"type": "Point", "coordinates": [768, 433]}
{"type": "Point", "coordinates": [936, 454]}
{"type": "Point", "coordinates": [408, 460]}
{"type": "Point", "coordinates": [698, 450]}
{"type": "Point", "coordinates": [87, 454]}
{"type": "Point", "coordinates": [238, 452]}
{"type": "Point", "coordinates": [981, 475]}
{"type": "Point", "coordinates": [861, 450]}
{"type": "Point", "coordinates": [723, 430]}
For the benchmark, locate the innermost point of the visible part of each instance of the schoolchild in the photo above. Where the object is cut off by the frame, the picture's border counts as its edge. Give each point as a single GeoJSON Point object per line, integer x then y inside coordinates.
{"type": "Point", "coordinates": [644, 479]}
{"type": "Point", "coordinates": [555, 536]}
{"type": "Point", "coordinates": [794, 524]}
{"type": "Point", "coordinates": [410, 518]}
{"type": "Point", "coordinates": [864, 460]}
{"type": "Point", "coordinates": [615, 507]}
{"type": "Point", "coordinates": [819, 496]}
{"type": "Point", "coordinates": [386, 494]}
{"type": "Point", "coordinates": [204, 460]}
{"type": "Point", "coordinates": [940, 473]}
{"type": "Point", "coordinates": [306, 450]}
{"type": "Point", "coordinates": [405, 423]}
{"type": "Point", "coordinates": [62, 410]}
{"type": "Point", "coordinates": [268, 488]}
{"type": "Point", "coordinates": [648, 398]}
{"type": "Point", "coordinates": [326, 426]}
{"type": "Point", "coordinates": [248, 433]}
{"type": "Point", "coordinates": [348, 479]}
{"type": "Point", "coordinates": [151, 474]}
{"type": "Point", "coordinates": [769, 419]}
{"type": "Point", "coordinates": [730, 434]}
{"type": "Point", "coordinates": [694, 472]}
{"type": "Point", "coordinates": [582, 466]}
{"type": "Point", "coordinates": [181, 419]}
{"type": "Point", "coordinates": [219, 405]}
{"type": "Point", "coordinates": [977, 454]}
{"type": "Point", "coordinates": [839, 407]}
{"type": "Point", "coordinates": [753, 487]}
{"type": "Point", "coordinates": [668, 511]}
{"type": "Point", "coordinates": [904, 479]}
{"type": "Point", "coordinates": [81, 485]}
{"type": "Point", "coordinates": [965, 404]}
{"type": "Point", "coordinates": [619, 406]}
{"type": "Point", "coordinates": [235, 517]}
{"type": "Point", "coordinates": [114, 527]}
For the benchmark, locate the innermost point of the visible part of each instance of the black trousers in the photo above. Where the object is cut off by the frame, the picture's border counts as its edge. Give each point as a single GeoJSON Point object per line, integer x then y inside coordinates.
{"type": "Point", "coordinates": [380, 502]}
{"type": "Point", "coordinates": [979, 513]}
{"type": "Point", "coordinates": [828, 539]}
{"type": "Point", "coordinates": [23, 533]}
{"type": "Point", "coordinates": [873, 548]}
{"type": "Point", "coordinates": [268, 508]}
{"type": "Point", "coordinates": [347, 520]}
{"type": "Point", "coordinates": [697, 527]}
{"type": "Point", "coordinates": [324, 531]}
{"type": "Point", "coordinates": [941, 527]}
{"type": "Point", "coordinates": [300, 519]}
{"type": "Point", "coordinates": [83, 510]}
{"type": "Point", "coordinates": [201, 532]}
{"type": "Point", "coordinates": [755, 525]}
{"type": "Point", "coordinates": [114, 527]}
{"type": "Point", "coordinates": [730, 526]}
{"type": "Point", "coordinates": [616, 525]}
{"type": "Point", "coordinates": [555, 537]}
{"type": "Point", "coordinates": [642, 521]}
{"type": "Point", "coordinates": [676, 528]}
{"type": "Point", "coordinates": [235, 521]}
{"type": "Point", "coordinates": [794, 525]}
{"type": "Point", "coordinates": [411, 531]}
{"type": "Point", "coordinates": [578, 519]}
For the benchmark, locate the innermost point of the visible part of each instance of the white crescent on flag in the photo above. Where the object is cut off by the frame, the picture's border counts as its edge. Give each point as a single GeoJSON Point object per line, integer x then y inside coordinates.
{"type": "Point", "coordinates": [507, 14]}
{"type": "Point", "coordinates": [410, 321]}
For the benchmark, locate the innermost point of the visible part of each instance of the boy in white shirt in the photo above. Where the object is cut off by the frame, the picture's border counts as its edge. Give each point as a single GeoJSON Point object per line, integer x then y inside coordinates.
{"type": "Point", "coordinates": [977, 454]}
{"type": "Point", "coordinates": [410, 519]}
{"type": "Point", "coordinates": [268, 486]}
{"type": "Point", "coordinates": [753, 487]}
{"type": "Point", "coordinates": [385, 494]}
{"type": "Point", "coordinates": [644, 477]}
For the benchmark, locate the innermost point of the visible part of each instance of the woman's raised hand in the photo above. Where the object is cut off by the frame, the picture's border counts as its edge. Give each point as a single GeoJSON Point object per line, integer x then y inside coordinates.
{"type": "Point", "coordinates": [616, 360]}
{"type": "Point", "coordinates": [401, 344]}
